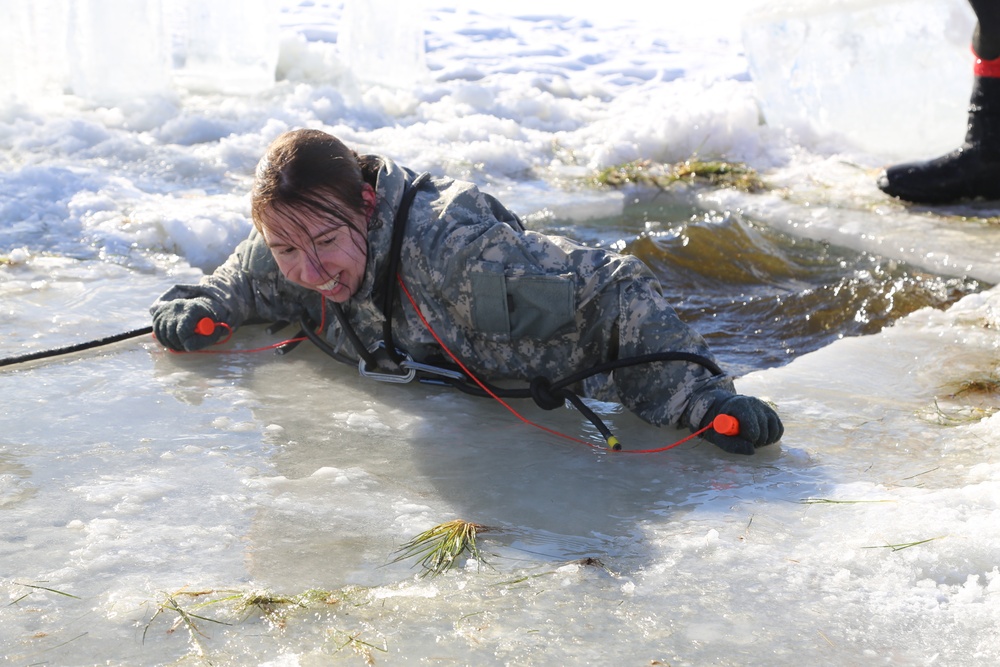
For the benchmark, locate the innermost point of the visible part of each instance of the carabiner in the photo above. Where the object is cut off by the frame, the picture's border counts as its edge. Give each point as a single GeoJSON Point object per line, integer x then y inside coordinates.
{"type": "Point", "coordinates": [436, 370]}
{"type": "Point", "coordinates": [409, 365]}
{"type": "Point", "coordinates": [387, 377]}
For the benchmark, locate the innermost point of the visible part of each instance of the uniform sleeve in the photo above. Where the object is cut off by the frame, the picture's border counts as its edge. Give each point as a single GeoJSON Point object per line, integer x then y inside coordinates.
{"type": "Point", "coordinates": [675, 393]}
{"type": "Point", "coordinates": [247, 288]}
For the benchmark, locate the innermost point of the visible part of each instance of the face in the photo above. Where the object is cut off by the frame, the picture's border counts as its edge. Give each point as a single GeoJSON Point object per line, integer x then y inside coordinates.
{"type": "Point", "coordinates": [327, 259]}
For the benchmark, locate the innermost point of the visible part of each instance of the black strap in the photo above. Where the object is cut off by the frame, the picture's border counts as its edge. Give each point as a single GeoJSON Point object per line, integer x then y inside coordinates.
{"type": "Point", "coordinates": [395, 250]}
{"type": "Point", "coordinates": [309, 331]}
{"type": "Point", "coordinates": [352, 335]}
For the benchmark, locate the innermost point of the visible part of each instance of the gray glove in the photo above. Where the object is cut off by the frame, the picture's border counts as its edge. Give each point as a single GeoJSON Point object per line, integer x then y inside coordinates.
{"type": "Point", "coordinates": [174, 324]}
{"type": "Point", "coordinates": [759, 424]}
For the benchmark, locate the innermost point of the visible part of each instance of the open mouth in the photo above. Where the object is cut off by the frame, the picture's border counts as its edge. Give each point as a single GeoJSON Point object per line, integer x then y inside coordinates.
{"type": "Point", "coordinates": [330, 285]}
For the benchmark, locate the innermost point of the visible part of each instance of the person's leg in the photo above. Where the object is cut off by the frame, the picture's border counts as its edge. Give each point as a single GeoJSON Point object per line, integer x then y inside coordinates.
{"type": "Point", "coordinates": [973, 170]}
{"type": "Point", "coordinates": [986, 38]}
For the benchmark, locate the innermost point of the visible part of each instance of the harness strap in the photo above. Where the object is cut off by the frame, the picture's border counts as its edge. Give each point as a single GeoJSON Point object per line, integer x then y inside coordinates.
{"type": "Point", "coordinates": [352, 335]}
{"type": "Point", "coordinates": [395, 250]}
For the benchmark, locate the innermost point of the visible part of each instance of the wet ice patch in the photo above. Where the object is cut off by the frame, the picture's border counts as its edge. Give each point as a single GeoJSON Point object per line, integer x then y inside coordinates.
{"type": "Point", "coordinates": [367, 421]}
{"type": "Point", "coordinates": [228, 424]}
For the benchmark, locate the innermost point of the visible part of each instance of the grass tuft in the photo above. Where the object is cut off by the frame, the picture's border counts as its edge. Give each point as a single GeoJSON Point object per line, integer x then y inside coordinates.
{"type": "Point", "coordinates": [239, 605]}
{"type": "Point", "coordinates": [983, 387]}
{"type": "Point", "coordinates": [361, 648]}
{"type": "Point", "coordinates": [988, 385]}
{"type": "Point", "coordinates": [718, 173]}
{"type": "Point", "coordinates": [184, 617]}
{"type": "Point", "coordinates": [440, 547]}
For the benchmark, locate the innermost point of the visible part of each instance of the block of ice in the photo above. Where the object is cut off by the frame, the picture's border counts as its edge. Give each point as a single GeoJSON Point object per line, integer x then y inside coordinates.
{"type": "Point", "coordinates": [33, 55]}
{"type": "Point", "coordinates": [117, 49]}
{"type": "Point", "coordinates": [382, 41]}
{"type": "Point", "coordinates": [891, 77]}
{"type": "Point", "coordinates": [112, 51]}
{"type": "Point", "coordinates": [227, 47]}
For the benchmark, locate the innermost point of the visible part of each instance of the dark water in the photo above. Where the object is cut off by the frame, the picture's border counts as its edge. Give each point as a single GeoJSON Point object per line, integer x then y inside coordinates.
{"type": "Point", "coordinates": [762, 297]}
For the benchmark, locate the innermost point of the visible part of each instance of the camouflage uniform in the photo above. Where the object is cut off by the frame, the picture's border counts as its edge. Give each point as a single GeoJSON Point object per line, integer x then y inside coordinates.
{"type": "Point", "coordinates": [510, 303]}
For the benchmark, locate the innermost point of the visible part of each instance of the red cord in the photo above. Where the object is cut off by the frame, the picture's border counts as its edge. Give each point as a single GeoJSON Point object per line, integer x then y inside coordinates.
{"type": "Point", "coordinates": [663, 449]}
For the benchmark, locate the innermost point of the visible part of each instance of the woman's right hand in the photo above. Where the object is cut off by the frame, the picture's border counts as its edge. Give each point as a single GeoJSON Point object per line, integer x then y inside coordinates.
{"type": "Point", "coordinates": [759, 424]}
{"type": "Point", "coordinates": [174, 324]}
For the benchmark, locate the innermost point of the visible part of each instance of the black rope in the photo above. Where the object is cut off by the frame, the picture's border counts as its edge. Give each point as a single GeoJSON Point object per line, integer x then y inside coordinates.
{"type": "Point", "coordinates": [598, 423]}
{"type": "Point", "coordinates": [317, 340]}
{"type": "Point", "coordinates": [543, 391]}
{"type": "Point", "coordinates": [551, 395]}
{"type": "Point", "coordinates": [544, 396]}
{"type": "Point", "coordinates": [653, 357]}
{"type": "Point", "coordinates": [79, 347]}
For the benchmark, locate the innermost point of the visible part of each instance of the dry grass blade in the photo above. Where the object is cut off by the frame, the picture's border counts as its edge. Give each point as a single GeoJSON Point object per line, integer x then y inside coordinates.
{"type": "Point", "coordinates": [904, 545]}
{"type": "Point", "coordinates": [957, 416]}
{"type": "Point", "coordinates": [50, 590]}
{"type": "Point", "coordinates": [183, 617]}
{"type": "Point", "coordinates": [828, 501]}
{"type": "Point", "coordinates": [362, 648]}
{"type": "Point", "coordinates": [440, 547]}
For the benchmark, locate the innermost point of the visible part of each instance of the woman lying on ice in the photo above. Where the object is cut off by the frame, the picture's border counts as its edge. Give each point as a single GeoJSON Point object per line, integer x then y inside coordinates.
{"type": "Point", "coordinates": [367, 240]}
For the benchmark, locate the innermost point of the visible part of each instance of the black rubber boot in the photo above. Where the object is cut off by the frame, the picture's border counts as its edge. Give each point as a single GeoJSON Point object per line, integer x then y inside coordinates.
{"type": "Point", "coordinates": [971, 171]}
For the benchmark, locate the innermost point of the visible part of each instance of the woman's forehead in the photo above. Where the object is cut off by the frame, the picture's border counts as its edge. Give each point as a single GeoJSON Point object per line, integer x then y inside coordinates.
{"type": "Point", "coordinates": [295, 225]}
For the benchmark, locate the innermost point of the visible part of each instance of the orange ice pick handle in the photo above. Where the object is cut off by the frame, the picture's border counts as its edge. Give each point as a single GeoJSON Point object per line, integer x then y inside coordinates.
{"type": "Point", "coordinates": [726, 425]}
{"type": "Point", "coordinates": [206, 327]}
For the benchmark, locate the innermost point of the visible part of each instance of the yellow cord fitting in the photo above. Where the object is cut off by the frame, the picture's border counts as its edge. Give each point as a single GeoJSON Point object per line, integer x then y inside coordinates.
{"type": "Point", "coordinates": [613, 444]}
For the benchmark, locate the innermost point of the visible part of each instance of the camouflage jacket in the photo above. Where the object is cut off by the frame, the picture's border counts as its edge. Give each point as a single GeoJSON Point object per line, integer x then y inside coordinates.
{"type": "Point", "coordinates": [511, 304]}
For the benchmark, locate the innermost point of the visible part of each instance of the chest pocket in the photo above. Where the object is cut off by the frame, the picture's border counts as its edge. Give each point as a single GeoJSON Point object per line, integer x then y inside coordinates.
{"type": "Point", "coordinates": [522, 306]}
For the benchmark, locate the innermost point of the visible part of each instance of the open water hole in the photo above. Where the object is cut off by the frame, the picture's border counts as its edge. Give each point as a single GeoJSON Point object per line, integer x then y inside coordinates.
{"type": "Point", "coordinates": [759, 296]}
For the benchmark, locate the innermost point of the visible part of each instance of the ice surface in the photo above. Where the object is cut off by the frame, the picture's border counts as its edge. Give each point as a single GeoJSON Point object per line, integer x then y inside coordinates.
{"type": "Point", "coordinates": [141, 481]}
{"type": "Point", "coordinates": [891, 77]}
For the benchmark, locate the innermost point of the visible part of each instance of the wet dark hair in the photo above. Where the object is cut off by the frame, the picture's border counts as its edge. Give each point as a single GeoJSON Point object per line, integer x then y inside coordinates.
{"type": "Point", "coordinates": [309, 171]}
